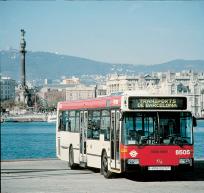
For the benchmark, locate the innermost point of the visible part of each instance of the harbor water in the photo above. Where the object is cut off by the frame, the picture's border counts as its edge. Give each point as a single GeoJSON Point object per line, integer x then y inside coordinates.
{"type": "Point", "coordinates": [35, 140]}
{"type": "Point", "coordinates": [25, 140]}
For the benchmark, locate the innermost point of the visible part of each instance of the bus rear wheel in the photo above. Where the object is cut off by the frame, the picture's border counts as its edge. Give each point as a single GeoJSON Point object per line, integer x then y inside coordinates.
{"type": "Point", "coordinates": [72, 165]}
{"type": "Point", "coordinates": [104, 166]}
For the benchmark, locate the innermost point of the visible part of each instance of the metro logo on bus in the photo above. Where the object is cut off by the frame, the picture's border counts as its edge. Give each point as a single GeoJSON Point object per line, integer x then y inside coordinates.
{"type": "Point", "coordinates": [133, 153]}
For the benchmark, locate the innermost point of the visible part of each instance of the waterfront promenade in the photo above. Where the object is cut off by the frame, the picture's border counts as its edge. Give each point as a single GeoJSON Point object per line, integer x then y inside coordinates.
{"type": "Point", "coordinates": [30, 117]}
{"type": "Point", "coordinates": [53, 176]}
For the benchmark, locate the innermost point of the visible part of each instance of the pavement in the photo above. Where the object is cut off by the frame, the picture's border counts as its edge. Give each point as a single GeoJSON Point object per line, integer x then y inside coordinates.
{"type": "Point", "coordinates": [54, 176]}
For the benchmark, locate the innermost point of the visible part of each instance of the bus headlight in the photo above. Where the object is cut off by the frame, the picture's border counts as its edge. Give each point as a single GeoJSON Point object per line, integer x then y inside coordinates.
{"type": "Point", "coordinates": [133, 161]}
{"type": "Point", "coordinates": [185, 161]}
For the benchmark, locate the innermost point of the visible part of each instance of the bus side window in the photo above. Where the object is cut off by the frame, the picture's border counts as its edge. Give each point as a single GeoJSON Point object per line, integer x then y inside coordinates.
{"type": "Point", "coordinates": [72, 121]}
{"type": "Point", "coordinates": [67, 122]}
{"type": "Point", "coordinates": [60, 122]}
{"type": "Point", "coordinates": [105, 124]}
{"type": "Point", "coordinates": [89, 129]}
{"type": "Point", "coordinates": [94, 120]}
{"type": "Point", "coordinates": [77, 122]}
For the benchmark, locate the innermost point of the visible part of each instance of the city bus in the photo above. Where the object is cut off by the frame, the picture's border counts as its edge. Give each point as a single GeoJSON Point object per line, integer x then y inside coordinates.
{"type": "Point", "coordinates": [125, 133]}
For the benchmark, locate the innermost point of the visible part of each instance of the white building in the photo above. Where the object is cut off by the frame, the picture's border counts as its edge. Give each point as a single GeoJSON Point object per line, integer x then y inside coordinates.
{"type": "Point", "coordinates": [183, 83]}
{"type": "Point", "coordinates": [47, 81]}
{"type": "Point", "coordinates": [117, 83]}
{"type": "Point", "coordinates": [7, 86]}
{"type": "Point", "coordinates": [71, 81]}
{"type": "Point", "coordinates": [80, 92]}
{"type": "Point", "coordinates": [84, 92]}
{"type": "Point", "coordinates": [121, 83]}
{"type": "Point", "coordinates": [188, 84]}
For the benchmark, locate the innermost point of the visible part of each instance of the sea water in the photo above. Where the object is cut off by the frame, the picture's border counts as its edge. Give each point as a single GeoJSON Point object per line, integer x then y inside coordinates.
{"type": "Point", "coordinates": [27, 140]}
{"type": "Point", "coordinates": [35, 140]}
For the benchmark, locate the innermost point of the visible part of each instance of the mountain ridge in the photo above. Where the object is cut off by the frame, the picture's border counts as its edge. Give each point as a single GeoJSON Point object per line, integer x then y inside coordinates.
{"type": "Point", "coordinates": [41, 65]}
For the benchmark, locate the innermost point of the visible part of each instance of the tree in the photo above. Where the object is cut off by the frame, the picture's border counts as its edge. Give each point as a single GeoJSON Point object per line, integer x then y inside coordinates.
{"type": "Point", "coordinates": [7, 104]}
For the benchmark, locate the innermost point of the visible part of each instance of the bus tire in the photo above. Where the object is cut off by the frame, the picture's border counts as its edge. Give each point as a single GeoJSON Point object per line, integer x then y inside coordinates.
{"type": "Point", "coordinates": [104, 166]}
{"type": "Point", "coordinates": [72, 165]}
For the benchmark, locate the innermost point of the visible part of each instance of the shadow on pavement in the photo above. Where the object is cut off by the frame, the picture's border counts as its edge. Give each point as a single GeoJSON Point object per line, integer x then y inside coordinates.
{"type": "Point", "coordinates": [196, 175]}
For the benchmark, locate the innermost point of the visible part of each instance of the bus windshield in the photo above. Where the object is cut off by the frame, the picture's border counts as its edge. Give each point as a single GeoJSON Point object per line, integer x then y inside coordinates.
{"type": "Point", "coordinates": [146, 128]}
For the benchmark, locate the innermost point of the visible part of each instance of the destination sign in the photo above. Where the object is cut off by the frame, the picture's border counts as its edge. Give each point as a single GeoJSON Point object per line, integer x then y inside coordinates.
{"type": "Point", "coordinates": [174, 103]}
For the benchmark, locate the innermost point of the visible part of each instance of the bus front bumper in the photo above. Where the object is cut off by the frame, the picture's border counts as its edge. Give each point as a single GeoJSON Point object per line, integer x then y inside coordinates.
{"type": "Point", "coordinates": [129, 165]}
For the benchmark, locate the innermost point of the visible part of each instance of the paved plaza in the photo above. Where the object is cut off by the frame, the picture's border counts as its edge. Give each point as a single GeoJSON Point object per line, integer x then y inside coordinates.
{"type": "Point", "coordinates": [54, 176]}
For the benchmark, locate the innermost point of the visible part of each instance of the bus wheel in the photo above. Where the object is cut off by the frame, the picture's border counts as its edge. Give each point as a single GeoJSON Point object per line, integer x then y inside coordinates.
{"type": "Point", "coordinates": [72, 165]}
{"type": "Point", "coordinates": [104, 166]}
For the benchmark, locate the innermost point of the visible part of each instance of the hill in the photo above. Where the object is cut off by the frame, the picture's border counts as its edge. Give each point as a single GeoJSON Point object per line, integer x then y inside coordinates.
{"type": "Point", "coordinates": [41, 65]}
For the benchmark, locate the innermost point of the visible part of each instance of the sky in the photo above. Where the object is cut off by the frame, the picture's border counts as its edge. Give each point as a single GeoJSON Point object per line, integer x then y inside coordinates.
{"type": "Point", "coordinates": [128, 32]}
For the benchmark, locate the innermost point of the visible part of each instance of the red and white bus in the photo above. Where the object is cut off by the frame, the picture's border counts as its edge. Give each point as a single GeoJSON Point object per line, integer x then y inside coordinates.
{"type": "Point", "coordinates": [123, 133]}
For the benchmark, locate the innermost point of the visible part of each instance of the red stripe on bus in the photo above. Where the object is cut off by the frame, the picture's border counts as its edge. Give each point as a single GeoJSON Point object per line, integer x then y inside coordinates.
{"type": "Point", "coordinates": [114, 101]}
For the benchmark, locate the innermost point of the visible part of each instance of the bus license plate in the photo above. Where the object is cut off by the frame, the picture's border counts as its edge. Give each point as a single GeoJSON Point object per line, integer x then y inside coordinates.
{"type": "Point", "coordinates": [159, 168]}
{"type": "Point", "coordinates": [132, 161]}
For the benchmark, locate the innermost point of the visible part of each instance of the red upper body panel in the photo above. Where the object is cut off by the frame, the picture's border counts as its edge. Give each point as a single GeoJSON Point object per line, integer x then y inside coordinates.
{"type": "Point", "coordinates": [111, 101]}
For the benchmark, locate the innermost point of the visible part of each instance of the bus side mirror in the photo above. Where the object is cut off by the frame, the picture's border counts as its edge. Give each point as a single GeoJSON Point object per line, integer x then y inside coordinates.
{"type": "Point", "coordinates": [194, 122]}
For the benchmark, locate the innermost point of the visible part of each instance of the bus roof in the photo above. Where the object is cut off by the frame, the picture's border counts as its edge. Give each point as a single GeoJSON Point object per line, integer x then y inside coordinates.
{"type": "Point", "coordinates": [110, 101]}
{"type": "Point", "coordinates": [101, 102]}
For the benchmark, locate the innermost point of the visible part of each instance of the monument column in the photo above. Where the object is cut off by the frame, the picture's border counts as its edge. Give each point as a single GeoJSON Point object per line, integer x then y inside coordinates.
{"type": "Point", "coordinates": [22, 53]}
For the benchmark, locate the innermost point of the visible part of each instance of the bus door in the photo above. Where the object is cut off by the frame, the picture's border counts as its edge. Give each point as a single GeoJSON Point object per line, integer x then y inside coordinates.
{"type": "Point", "coordinates": [115, 139]}
{"type": "Point", "coordinates": [83, 136]}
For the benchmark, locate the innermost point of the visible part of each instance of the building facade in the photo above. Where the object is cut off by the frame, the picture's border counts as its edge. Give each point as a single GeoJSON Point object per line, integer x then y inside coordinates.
{"type": "Point", "coordinates": [7, 88]}
{"type": "Point", "coordinates": [84, 92]}
{"type": "Point", "coordinates": [71, 81]}
{"type": "Point", "coordinates": [189, 84]}
{"type": "Point", "coordinates": [185, 83]}
{"type": "Point", "coordinates": [52, 95]}
{"type": "Point", "coordinates": [80, 92]}
{"type": "Point", "coordinates": [120, 83]}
